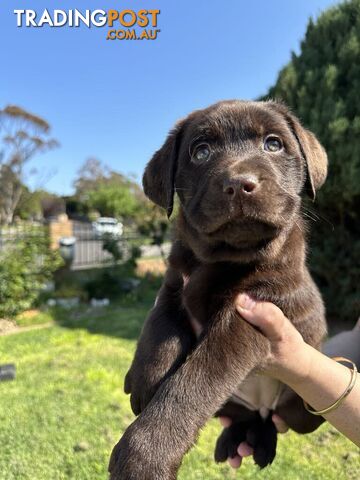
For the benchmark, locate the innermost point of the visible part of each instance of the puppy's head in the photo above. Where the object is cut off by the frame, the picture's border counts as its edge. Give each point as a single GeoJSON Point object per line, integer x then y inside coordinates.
{"type": "Point", "coordinates": [239, 169]}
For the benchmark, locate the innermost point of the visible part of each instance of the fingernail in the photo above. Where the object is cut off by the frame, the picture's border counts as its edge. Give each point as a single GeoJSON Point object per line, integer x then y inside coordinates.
{"type": "Point", "coordinates": [225, 421]}
{"type": "Point", "coordinates": [235, 462]}
{"type": "Point", "coordinates": [245, 302]}
{"type": "Point", "coordinates": [244, 450]}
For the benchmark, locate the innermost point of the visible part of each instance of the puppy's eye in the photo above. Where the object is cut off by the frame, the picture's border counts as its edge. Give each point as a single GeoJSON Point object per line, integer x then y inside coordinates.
{"type": "Point", "coordinates": [273, 144]}
{"type": "Point", "coordinates": [201, 153]}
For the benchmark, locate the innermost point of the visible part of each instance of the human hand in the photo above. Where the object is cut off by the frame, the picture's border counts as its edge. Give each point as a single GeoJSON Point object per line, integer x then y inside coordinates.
{"type": "Point", "coordinates": [290, 357]}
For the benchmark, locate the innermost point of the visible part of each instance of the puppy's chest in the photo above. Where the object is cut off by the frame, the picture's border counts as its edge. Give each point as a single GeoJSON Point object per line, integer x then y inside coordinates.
{"type": "Point", "coordinates": [259, 393]}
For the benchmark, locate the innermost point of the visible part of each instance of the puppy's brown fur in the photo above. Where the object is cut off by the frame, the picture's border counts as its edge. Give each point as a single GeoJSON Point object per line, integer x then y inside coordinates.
{"type": "Point", "coordinates": [239, 229]}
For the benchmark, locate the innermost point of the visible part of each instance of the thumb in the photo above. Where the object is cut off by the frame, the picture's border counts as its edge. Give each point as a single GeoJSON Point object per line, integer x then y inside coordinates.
{"type": "Point", "coordinates": [264, 315]}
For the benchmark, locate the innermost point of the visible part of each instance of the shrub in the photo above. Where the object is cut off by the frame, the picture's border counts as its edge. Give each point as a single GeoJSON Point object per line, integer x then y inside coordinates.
{"type": "Point", "coordinates": [111, 245]}
{"type": "Point", "coordinates": [25, 266]}
{"type": "Point", "coordinates": [153, 224]}
{"type": "Point", "coordinates": [105, 285]}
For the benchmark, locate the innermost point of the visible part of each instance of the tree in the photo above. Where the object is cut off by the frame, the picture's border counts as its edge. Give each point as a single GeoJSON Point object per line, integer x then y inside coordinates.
{"type": "Point", "coordinates": [90, 174]}
{"type": "Point", "coordinates": [322, 85]}
{"type": "Point", "coordinates": [52, 205]}
{"type": "Point", "coordinates": [39, 205]}
{"type": "Point", "coordinates": [106, 191]}
{"type": "Point", "coordinates": [23, 135]}
{"type": "Point", "coordinates": [29, 205]}
{"type": "Point", "coordinates": [113, 200]}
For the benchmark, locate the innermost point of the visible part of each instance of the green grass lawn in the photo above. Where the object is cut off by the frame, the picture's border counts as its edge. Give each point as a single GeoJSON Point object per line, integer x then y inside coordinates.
{"type": "Point", "coordinates": [66, 409]}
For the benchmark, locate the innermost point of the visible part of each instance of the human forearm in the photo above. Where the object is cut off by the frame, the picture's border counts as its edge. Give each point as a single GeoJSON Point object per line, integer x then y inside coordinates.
{"type": "Point", "coordinates": [324, 384]}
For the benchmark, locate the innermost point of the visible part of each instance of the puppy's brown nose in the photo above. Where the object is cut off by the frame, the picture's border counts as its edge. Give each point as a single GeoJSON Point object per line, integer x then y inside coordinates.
{"type": "Point", "coordinates": [244, 184]}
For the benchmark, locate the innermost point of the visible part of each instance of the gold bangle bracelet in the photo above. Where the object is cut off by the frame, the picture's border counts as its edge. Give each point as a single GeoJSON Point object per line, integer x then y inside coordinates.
{"type": "Point", "coordinates": [352, 382]}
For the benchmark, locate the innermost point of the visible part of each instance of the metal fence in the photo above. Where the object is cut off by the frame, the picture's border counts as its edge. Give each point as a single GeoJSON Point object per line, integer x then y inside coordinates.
{"type": "Point", "coordinates": [88, 248]}
{"type": "Point", "coordinates": [14, 233]}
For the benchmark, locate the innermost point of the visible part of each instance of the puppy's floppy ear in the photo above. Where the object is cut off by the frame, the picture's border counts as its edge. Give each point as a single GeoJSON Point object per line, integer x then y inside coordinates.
{"type": "Point", "coordinates": [313, 152]}
{"type": "Point", "coordinates": [159, 175]}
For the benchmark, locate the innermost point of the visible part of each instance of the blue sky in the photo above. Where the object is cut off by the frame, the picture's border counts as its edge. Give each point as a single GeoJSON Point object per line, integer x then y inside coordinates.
{"type": "Point", "coordinates": [116, 100]}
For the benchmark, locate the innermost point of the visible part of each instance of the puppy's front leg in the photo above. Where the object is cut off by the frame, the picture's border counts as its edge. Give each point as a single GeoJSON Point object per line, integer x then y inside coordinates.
{"type": "Point", "coordinates": [152, 447]}
{"type": "Point", "coordinates": [165, 341]}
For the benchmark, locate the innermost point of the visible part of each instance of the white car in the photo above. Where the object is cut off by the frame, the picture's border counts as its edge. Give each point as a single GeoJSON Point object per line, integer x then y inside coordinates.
{"type": "Point", "coordinates": [107, 226]}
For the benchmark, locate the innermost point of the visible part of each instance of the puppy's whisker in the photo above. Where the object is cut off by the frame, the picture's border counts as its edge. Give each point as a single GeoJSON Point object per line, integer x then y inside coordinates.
{"type": "Point", "coordinates": [308, 210]}
{"type": "Point", "coordinates": [295, 222]}
{"type": "Point", "coordinates": [309, 216]}
{"type": "Point", "coordinates": [312, 212]}
{"type": "Point", "coordinates": [317, 215]}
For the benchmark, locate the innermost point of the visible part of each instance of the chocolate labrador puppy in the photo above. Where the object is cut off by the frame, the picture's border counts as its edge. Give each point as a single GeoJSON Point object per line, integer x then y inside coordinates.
{"type": "Point", "coordinates": [240, 170]}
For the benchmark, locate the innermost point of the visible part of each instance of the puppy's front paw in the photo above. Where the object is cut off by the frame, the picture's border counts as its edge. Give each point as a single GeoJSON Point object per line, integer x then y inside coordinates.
{"type": "Point", "coordinates": [124, 464]}
{"type": "Point", "coordinates": [135, 458]}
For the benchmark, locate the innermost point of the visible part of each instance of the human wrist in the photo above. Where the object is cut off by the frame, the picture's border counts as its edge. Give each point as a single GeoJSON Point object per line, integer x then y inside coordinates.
{"type": "Point", "coordinates": [305, 361]}
{"type": "Point", "coordinates": [296, 367]}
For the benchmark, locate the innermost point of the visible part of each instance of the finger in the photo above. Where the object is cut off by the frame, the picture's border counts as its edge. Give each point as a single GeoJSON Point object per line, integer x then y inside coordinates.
{"type": "Point", "coordinates": [225, 421]}
{"type": "Point", "coordinates": [244, 449]}
{"type": "Point", "coordinates": [235, 462]}
{"type": "Point", "coordinates": [280, 425]}
{"type": "Point", "coordinates": [267, 316]}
